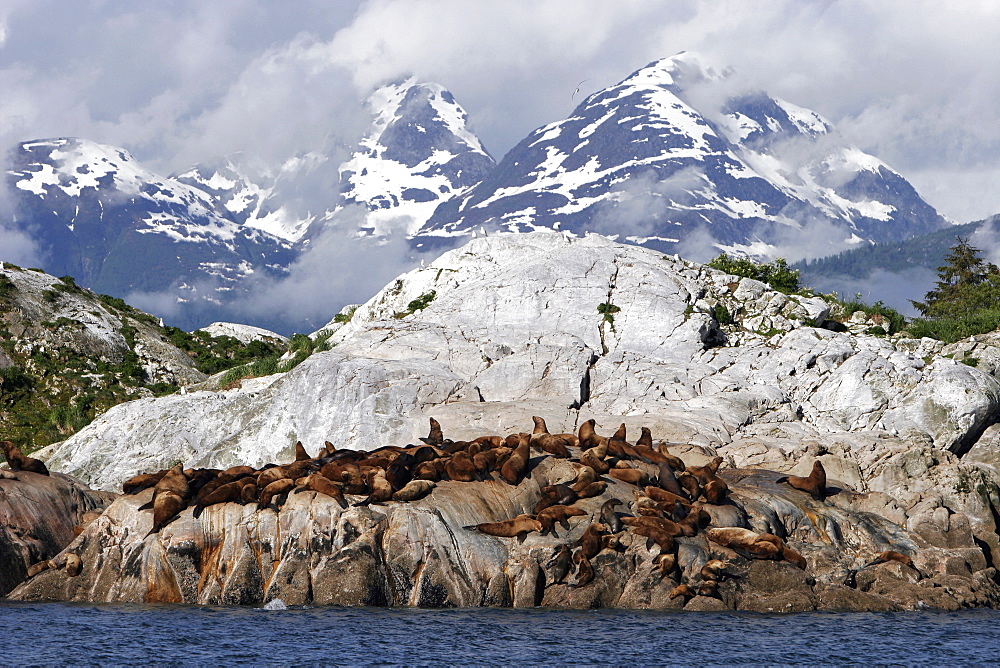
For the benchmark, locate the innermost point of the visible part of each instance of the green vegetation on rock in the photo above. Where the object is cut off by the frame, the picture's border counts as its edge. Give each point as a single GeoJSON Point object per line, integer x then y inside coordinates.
{"type": "Point", "coordinates": [777, 274]}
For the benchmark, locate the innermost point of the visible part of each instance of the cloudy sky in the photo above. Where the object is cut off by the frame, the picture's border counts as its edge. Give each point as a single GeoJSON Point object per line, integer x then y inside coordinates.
{"type": "Point", "coordinates": [915, 82]}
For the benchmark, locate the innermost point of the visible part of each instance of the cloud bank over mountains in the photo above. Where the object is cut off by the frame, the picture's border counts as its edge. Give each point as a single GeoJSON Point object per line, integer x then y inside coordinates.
{"type": "Point", "coordinates": [914, 83]}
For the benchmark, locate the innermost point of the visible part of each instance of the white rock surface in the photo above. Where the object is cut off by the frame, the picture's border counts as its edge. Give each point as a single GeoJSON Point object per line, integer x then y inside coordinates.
{"type": "Point", "coordinates": [513, 330]}
{"type": "Point", "coordinates": [242, 333]}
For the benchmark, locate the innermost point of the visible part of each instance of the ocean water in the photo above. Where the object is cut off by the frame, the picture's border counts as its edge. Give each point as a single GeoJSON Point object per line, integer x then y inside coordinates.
{"type": "Point", "coordinates": [56, 633]}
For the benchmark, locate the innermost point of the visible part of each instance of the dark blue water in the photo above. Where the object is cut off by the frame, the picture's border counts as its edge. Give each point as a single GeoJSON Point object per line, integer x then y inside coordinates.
{"type": "Point", "coordinates": [132, 634]}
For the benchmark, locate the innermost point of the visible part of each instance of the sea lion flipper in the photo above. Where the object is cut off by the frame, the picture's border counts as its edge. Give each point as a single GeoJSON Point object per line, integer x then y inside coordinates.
{"type": "Point", "coordinates": [146, 506]}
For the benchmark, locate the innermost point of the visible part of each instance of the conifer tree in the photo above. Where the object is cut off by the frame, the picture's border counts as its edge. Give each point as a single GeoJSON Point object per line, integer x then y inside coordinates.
{"type": "Point", "coordinates": [966, 285]}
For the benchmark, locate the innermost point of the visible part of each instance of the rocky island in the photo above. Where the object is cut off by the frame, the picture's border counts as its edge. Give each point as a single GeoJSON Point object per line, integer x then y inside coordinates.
{"type": "Point", "coordinates": [749, 395]}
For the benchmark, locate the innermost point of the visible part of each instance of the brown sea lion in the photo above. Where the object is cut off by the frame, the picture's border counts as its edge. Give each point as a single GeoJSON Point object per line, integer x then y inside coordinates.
{"type": "Point", "coordinates": [320, 484]}
{"type": "Point", "coordinates": [594, 458]}
{"type": "Point", "coordinates": [709, 588]}
{"type": "Point", "coordinates": [744, 541]}
{"type": "Point", "coordinates": [275, 493]}
{"type": "Point", "coordinates": [553, 495]}
{"type": "Point", "coordinates": [645, 439]}
{"type": "Point", "coordinates": [73, 565]}
{"type": "Point", "coordinates": [460, 467]}
{"type": "Point", "coordinates": [675, 462]}
{"type": "Point", "coordinates": [684, 590]}
{"type": "Point", "coordinates": [516, 466]}
{"type": "Point", "coordinates": [595, 488]}
{"type": "Point", "coordinates": [38, 567]}
{"type": "Point", "coordinates": [665, 562]}
{"type": "Point", "coordinates": [591, 542]}
{"type": "Point", "coordinates": [300, 452]}
{"type": "Point", "coordinates": [554, 445]}
{"type": "Point", "coordinates": [890, 555]}
{"type": "Point", "coordinates": [381, 489]}
{"type": "Point", "coordinates": [19, 461]}
{"type": "Point", "coordinates": [137, 483]}
{"type": "Point", "coordinates": [414, 490]}
{"type": "Point", "coordinates": [667, 481]}
{"type": "Point", "coordinates": [167, 505]}
{"type": "Point", "coordinates": [485, 461]}
{"type": "Point", "coordinates": [630, 475]}
{"type": "Point", "coordinates": [584, 570]}
{"type": "Point", "coordinates": [663, 539]}
{"type": "Point", "coordinates": [230, 492]}
{"type": "Point", "coordinates": [512, 528]}
{"type": "Point", "coordinates": [557, 513]}
{"type": "Point", "coordinates": [715, 569]}
{"type": "Point", "coordinates": [432, 470]}
{"type": "Point", "coordinates": [273, 474]}
{"type": "Point", "coordinates": [813, 484]}
{"type": "Point", "coordinates": [398, 475]}
{"type": "Point", "coordinates": [663, 496]}
{"type": "Point", "coordinates": [689, 484]}
{"type": "Point", "coordinates": [250, 493]}
{"type": "Point", "coordinates": [436, 436]}
{"type": "Point", "coordinates": [588, 438]}
{"type": "Point", "coordinates": [584, 476]}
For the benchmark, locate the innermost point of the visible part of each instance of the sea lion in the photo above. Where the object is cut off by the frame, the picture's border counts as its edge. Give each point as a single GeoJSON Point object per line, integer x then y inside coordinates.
{"type": "Point", "coordinates": [398, 475]}
{"type": "Point", "coordinates": [493, 441]}
{"type": "Point", "coordinates": [267, 476]}
{"type": "Point", "coordinates": [250, 493]}
{"type": "Point", "coordinates": [667, 481]}
{"type": "Point", "coordinates": [38, 567]}
{"type": "Point", "coordinates": [73, 565]}
{"type": "Point", "coordinates": [665, 562]}
{"type": "Point", "coordinates": [594, 458]}
{"type": "Point", "coordinates": [485, 461]}
{"type": "Point", "coordinates": [620, 434]}
{"type": "Point", "coordinates": [230, 492]}
{"type": "Point", "coordinates": [275, 493]}
{"type": "Point", "coordinates": [585, 475]}
{"type": "Point", "coordinates": [20, 462]}
{"type": "Point", "coordinates": [645, 439]}
{"type": "Point", "coordinates": [709, 588]}
{"type": "Point", "coordinates": [432, 470]}
{"type": "Point", "coordinates": [689, 484]}
{"type": "Point", "coordinates": [300, 452]}
{"type": "Point", "coordinates": [714, 569]}
{"type": "Point", "coordinates": [381, 489]}
{"type": "Point", "coordinates": [630, 475]}
{"type": "Point", "coordinates": [747, 542]}
{"type": "Point", "coordinates": [436, 436]}
{"type": "Point", "coordinates": [86, 520]}
{"type": "Point", "coordinates": [588, 438]}
{"type": "Point", "coordinates": [609, 517]}
{"type": "Point", "coordinates": [512, 528]}
{"type": "Point", "coordinates": [167, 505]}
{"type": "Point", "coordinates": [553, 495]}
{"type": "Point", "coordinates": [664, 539]}
{"type": "Point", "coordinates": [584, 570]}
{"type": "Point", "coordinates": [414, 490]}
{"type": "Point", "coordinates": [813, 484]}
{"type": "Point", "coordinates": [516, 466]}
{"type": "Point", "coordinates": [561, 564]}
{"type": "Point", "coordinates": [715, 491]}
{"type": "Point", "coordinates": [557, 445]}
{"type": "Point", "coordinates": [320, 484]}
{"type": "Point", "coordinates": [663, 496]}
{"type": "Point", "coordinates": [675, 462]}
{"type": "Point", "coordinates": [684, 590]}
{"type": "Point", "coordinates": [557, 513]}
{"type": "Point", "coordinates": [137, 483]}
{"type": "Point", "coordinates": [591, 542]}
{"type": "Point", "coordinates": [460, 467]}
{"type": "Point", "coordinates": [889, 555]}
{"type": "Point", "coordinates": [595, 488]}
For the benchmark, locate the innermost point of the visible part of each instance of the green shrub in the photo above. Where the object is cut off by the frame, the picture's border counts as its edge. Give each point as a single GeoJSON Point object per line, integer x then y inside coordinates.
{"type": "Point", "coordinates": [951, 330]}
{"type": "Point", "coordinates": [893, 318]}
{"type": "Point", "coordinates": [777, 274]}
{"type": "Point", "coordinates": [346, 316]}
{"type": "Point", "coordinates": [608, 310]}
{"type": "Point", "coordinates": [722, 315]}
{"type": "Point", "coordinates": [7, 287]}
{"type": "Point", "coordinates": [418, 304]}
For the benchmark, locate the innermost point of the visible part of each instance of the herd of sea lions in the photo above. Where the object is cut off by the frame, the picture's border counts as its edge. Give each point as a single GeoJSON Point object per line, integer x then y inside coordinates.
{"type": "Point", "coordinates": [669, 496]}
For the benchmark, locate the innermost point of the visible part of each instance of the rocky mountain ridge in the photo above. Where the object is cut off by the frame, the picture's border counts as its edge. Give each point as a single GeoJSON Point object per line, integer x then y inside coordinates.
{"type": "Point", "coordinates": [651, 161]}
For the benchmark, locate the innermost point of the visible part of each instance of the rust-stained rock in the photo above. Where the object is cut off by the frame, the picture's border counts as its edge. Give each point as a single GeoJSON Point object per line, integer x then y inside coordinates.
{"type": "Point", "coordinates": [37, 517]}
{"type": "Point", "coordinates": [312, 551]}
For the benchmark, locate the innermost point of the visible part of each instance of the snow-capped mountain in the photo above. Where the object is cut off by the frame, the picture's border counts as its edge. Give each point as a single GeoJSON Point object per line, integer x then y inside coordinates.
{"type": "Point", "coordinates": [121, 229]}
{"type": "Point", "coordinates": [419, 153]}
{"type": "Point", "coordinates": [648, 161]}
